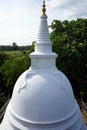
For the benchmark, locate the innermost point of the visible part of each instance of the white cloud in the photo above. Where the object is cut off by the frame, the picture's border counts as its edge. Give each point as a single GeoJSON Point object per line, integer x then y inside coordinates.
{"type": "Point", "coordinates": [55, 4]}
{"type": "Point", "coordinates": [68, 9]}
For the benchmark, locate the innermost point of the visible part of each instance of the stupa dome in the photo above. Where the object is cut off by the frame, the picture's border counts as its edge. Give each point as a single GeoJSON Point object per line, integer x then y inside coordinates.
{"type": "Point", "coordinates": [47, 96]}
{"type": "Point", "coordinates": [42, 97]}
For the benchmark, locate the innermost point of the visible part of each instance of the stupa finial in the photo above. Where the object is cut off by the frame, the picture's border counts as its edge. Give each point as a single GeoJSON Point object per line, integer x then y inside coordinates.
{"type": "Point", "coordinates": [43, 8]}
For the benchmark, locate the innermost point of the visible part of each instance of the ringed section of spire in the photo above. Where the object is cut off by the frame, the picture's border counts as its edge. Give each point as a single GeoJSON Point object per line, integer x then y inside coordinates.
{"type": "Point", "coordinates": [43, 43]}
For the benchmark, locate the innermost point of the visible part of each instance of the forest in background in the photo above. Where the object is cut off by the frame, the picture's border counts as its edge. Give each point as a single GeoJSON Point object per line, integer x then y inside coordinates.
{"type": "Point", "coordinates": [69, 41]}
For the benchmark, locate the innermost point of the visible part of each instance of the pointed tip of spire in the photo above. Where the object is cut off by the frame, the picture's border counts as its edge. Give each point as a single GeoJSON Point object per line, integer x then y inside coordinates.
{"type": "Point", "coordinates": [43, 1]}
{"type": "Point", "coordinates": [43, 8]}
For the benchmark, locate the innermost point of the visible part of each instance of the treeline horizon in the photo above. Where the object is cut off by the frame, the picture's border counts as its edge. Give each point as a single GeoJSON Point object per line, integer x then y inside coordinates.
{"type": "Point", "coordinates": [14, 47]}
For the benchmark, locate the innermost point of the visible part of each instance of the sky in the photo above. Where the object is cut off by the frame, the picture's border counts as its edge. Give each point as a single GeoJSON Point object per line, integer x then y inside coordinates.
{"type": "Point", "coordinates": [19, 19]}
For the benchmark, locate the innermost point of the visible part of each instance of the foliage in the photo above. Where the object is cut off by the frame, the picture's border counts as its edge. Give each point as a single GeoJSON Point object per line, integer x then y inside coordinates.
{"type": "Point", "coordinates": [12, 69]}
{"type": "Point", "coordinates": [12, 65]}
{"type": "Point", "coordinates": [69, 40]}
{"type": "Point", "coordinates": [3, 56]}
{"type": "Point", "coordinates": [14, 47]}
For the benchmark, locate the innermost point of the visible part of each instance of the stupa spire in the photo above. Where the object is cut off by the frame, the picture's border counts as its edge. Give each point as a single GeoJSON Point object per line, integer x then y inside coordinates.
{"type": "Point", "coordinates": [43, 58]}
{"type": "Point", "coordinates": [43, 8]}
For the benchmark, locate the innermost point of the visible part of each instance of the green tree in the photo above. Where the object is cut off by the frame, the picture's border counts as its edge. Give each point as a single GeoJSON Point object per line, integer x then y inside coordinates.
{"type": "Point", "coordinates": [69, 40]}
{"type": "Point", "coordinates": [12, 65]}
{"type": "Point", "coordinates": [3, 97]}
{"type": "Point", "coordinates": [12, 69]}
{"type": "Point", "coordinates": [14, 46]}
{"type": "Point", "coordinates": [3, 57]}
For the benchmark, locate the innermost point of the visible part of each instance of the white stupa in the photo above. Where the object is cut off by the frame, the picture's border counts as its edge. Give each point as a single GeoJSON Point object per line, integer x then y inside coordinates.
{"type": "Point", "coordinates": [42, 98]}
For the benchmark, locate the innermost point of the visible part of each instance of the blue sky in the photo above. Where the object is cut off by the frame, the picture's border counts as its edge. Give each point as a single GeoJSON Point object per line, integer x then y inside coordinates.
{"type": "Point", "coordinates": [19, 19]}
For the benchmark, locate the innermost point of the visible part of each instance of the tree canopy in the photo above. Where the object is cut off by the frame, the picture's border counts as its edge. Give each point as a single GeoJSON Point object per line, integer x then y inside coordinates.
{"type": "Point", "coordinates": [12, 65]}
{"type": "Point", "coordinates": [69, 40]}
